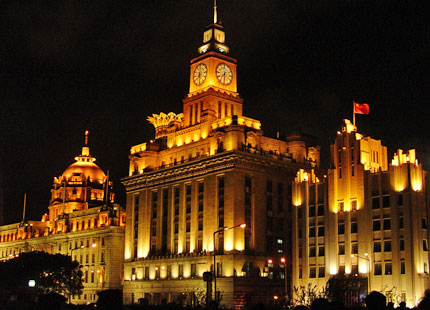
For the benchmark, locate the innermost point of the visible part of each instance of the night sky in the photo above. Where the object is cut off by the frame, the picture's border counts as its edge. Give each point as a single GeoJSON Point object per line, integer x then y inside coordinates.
{"type": "Point", "coordinates": [68, 66]}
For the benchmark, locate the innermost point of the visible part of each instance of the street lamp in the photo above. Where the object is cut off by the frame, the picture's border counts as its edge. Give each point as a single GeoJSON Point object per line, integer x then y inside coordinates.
{"type": "Point", "coordinates": [365, 257]}
{"type": "Point", "coordinates": [215, 269]}
{"type": "Point", "coordinates": [93, 245]}
{"type": "Point", "coordinates": [283, 261]}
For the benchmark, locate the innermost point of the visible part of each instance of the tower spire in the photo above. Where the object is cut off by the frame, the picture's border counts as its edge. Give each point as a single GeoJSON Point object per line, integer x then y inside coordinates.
{"type": "Point", "coordinates": [215, 13]}
{"type": "Point", "coordinates": [86, 137]}
{"type": "Point", "coordinates": [85, 150]}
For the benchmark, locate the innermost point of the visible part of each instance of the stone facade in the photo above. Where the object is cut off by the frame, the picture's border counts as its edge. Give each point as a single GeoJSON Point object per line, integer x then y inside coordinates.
{"type": "Point", "coordinates": [366, 216]}
{"type": "Point", "coordinates": [81, 222]}
{"type": "Point", "coordinates": [207, 171]}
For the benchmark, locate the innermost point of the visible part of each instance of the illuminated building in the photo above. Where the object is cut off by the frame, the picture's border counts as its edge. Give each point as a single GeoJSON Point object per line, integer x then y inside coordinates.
{"type": "Point", "coordinates": [207, 168]}
{"type": "Point", "coordinates": [81, 213]}
{"type": "Point", "coordinates": [367, 213]}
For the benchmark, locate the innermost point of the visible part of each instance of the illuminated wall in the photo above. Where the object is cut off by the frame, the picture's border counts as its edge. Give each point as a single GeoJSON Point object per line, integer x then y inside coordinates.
{"type": "Point", "coordinates": [376, 222]}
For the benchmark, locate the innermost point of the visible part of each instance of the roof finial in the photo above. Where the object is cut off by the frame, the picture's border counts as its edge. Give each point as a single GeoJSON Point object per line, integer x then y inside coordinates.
{"type": "Point", "coordinates": [215, 15]}
{"type": "Point", "coordinates": [86, 137]}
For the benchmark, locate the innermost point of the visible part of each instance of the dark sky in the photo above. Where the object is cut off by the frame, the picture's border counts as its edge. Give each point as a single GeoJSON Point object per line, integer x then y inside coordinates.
{"type": "Point", "coordinates": [67, 66]}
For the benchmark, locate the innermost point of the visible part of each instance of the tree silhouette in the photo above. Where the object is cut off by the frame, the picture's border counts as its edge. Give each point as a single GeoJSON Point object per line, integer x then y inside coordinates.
{"type": "Point", "coordinates": [52, 273]}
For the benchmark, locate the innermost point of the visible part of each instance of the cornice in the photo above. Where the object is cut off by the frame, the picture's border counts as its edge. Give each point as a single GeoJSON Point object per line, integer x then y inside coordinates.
{"type": "Point", "coordinates": [211, 91]}
{"type": "Point", "coordinates": [213, 54]}
{"type": "Point", "coordinates": [215, 163]}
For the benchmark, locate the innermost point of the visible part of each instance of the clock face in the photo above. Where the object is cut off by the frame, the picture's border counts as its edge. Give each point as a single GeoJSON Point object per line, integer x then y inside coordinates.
{"type": "Point", "coordinates": [224, 73]}
{"type": "Point", "coordinates": [200, 73]}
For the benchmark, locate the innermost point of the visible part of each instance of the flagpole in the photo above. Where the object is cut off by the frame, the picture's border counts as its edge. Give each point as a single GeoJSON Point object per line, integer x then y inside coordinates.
{"type": "Point", "coordinates": [353, 113]}
{"type": "Point", "coordinates": [23, 211]}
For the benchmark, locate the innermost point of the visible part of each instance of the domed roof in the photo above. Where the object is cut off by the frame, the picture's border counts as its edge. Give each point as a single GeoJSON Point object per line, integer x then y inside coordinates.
{"type": "Point", "coordinates": [86, 169]}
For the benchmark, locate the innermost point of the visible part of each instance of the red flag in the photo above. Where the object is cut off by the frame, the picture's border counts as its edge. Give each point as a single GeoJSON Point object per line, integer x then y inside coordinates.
{"type": "Point", "coordinates": [361, 108]}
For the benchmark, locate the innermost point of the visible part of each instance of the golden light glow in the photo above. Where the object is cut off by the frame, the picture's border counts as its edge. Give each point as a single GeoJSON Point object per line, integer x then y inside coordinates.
{"type": "Point", "coordinates": [228, 244]}
{"type": "Point", "coordinates": [349, 127]}
{"type": "Point", "coordinates": [404, 169]}
{"type": "Point", "coordinates": [333, 269]}
{"type": "Point", "coordinates": [127, 254]}
{"type": "Point", "coordinates": [297, 195]}
{"type": "Point", "coordinates": [162, 119]}
{"type": "Point", "coordinates": [363, 267]}
{"type": "Point", "coordinates": [241, 120]}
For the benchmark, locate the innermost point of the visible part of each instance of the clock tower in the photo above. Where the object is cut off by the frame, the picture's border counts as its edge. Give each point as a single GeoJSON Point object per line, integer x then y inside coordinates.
{"type": "Point", "coordinates": [213, 80]}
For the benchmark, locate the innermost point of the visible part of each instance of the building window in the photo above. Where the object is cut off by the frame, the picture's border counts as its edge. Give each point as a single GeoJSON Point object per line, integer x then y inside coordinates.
{"type": "Point", "coordinates": [377, 269]}
{"type": "Point", "coordinates": [299, 212]}
{"type": "Point", "coordinates": [353, 205]}
{"type": "Point", "coordinates": [321, 251]}
{"type": "Point", "coordinates": [200, 196]}
{"type": "Point", "coordinates": [180, 270]}
{"type": "Point", "coordinates": [280, 195]}
{"type": "Point", "coordinates": [375, 203]}
{"type": "Point", "coordinates": [402, 267]}
{"type": "Point", "coordinates": [321, 272]}
{"type": "Point", "coordinates": [320, 231]}
{"type": "Point", "coordinates": [401, 223]}
{"type": "Point", "coordinates": [376, 225]}
{"type": "Point", "coordinates": [387, 246]}
{"type": "Point", "coordinates": [199, 245]}
{"type": "Point", "coordinates": [176, 200]}
{"type": "Point", "coordinates": [269, 202]}
{"type": "Point", "coordinates": [300, 272]}
{"type": "Point", "coordinates": [188, 198]}
{"type": "Point", "coordinates": [341, 249]}
{"type": "Point", "coordinates": [320, 210]}
{"type": "Point", "coordinates": [400, 199]}
{"type": "Point", "coordinates": [311, 231]}
{"type": "Point", "coordinates": [387, 224]}
{"type": "Point", "coordinates": [200, 223]}
{"type": "Point", "coordinates": [154, 204]}
{"type": "Point", "coordinates": [377, 246]}
{"type": "Point", "coordinates": [402, 244]}
{"type": "Point", "coordinates": [311, 211]}
{"type": "Point", "coordinates": [386, 201]}
{"type": "Point", "coordinates": [269, 186]}
{"type": "Point", "coordinates": [423, 223]}
{"type": "Point", "coordinates": [425, 246]}
{"type": "Point", "coordinates": [312, 251]}
{"type": "Point", "coordinates": [341, 269]}
{"type": "Point", "coordinates": [221, 202]}
{"type": "Point", "coordinates": [312, 272]}
{"type": "Point", "coordinates": [300, 252]}
{"type": "Point", "coordinates": [193, 270]}
{"type": "Point", "coordinates": [341, 228]}
{"type": "Point", "coordinates": [354, 248]}
{"type": "Point", "coordinates": [388, 269]}
{"type": "Point", "coordinates": [341, 206]}
{"type": "Point", "coordinates": [354, 269]}
{"type": "Point", "coordinates": [354, 227]}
